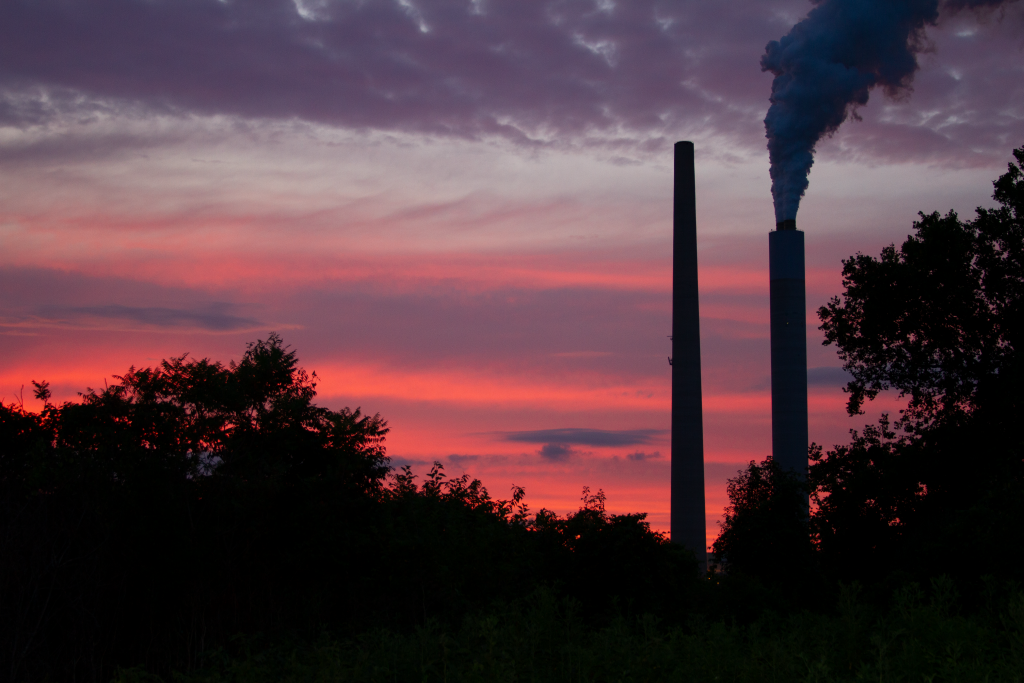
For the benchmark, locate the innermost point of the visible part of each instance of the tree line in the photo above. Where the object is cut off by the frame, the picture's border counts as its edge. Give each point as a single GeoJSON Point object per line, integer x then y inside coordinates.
{"type": "Point", "coordinates": [188, 503]}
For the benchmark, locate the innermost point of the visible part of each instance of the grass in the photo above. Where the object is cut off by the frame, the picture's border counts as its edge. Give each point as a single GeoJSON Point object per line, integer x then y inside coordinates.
{"type": "Point", "coordinates": [920, 637]}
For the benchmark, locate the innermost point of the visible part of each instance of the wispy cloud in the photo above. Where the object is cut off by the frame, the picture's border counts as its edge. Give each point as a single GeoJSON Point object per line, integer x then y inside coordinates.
{"type": "Point", "coordinates": [213, 318]}
{"type": "Point", "coordinates": [640, 456]}
{"type": "Point", "coordinates": [828, 377]}
{"type": "Point", "coordinates": [584, 437]}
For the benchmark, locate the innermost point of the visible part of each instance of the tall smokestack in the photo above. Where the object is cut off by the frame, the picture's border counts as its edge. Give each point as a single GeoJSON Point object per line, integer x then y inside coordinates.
{"type": "Point", "coordinates": [789, 347]}
{"type": "Point", "coordinates": [687, 521]}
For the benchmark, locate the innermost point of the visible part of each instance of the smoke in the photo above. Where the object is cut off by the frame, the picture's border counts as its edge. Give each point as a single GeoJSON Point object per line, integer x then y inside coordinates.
{"type": "Point", "coordinates": [826, 66]}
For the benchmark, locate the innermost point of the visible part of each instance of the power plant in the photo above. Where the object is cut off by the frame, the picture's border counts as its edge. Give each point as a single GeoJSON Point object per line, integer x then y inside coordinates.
{"type": "Point", "coordinates": [788, 357]}
{"type": "Point", "coordinates": [687, 498]}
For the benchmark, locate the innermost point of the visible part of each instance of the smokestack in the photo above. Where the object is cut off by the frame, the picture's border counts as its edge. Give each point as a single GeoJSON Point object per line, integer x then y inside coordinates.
{"type": "Point", "coordinates": [687, 520]}
{"type": "Point", "coordinates": [789, 347]}
{"type": "Point", "coordinates": [825, 68]}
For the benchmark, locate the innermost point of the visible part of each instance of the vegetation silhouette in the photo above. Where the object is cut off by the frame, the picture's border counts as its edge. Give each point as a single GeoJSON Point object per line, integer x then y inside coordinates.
{"type": "Point", "coordinates": [190, 502]}
{"type": "Point", "coordinates": [940, 320]}
{"type": "Point", "coordinates": [922, 635]}
{"type": "Point", "coordinates": [765, 532]}
{"type": "Point", "coordinates": [205, 522]}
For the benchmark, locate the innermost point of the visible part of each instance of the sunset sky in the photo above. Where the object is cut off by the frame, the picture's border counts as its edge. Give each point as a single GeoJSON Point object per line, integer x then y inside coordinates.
{"type": "Point", "coordinates": [457, 211]}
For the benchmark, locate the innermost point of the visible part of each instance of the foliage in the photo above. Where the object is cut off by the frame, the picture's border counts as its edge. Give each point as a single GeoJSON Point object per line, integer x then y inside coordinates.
{"type": "Point", "coordinates": [175, 506]}
{"type": "Point", "coordinates": [614, 562]}
{"type": "Point", "coordinates": [151, 521]}
{"type": "Point", "coordinates": [922, 636]}
{"type": "Point", "coordinates": [864, 494]}
{"type": "Point", "coordinates": [764, 533]}
{"type": "Point", "coordinates": [939, 319]}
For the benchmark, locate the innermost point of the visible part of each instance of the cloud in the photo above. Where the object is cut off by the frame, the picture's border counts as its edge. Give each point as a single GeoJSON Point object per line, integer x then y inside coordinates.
{"type": "Point", "coordinates": [417, 464]}
{"type": "Point", "coordinates": [533, 72]}
{"type": "Point", "coordinates": [720, 471]}
{"type": "Point", "coordinates": [585, 437]}
{"type": "Point", "coordinates": [214, 318]}
{"type": "Point", "coordinates": [462, 460]}
{"type": "Point", "coordinates": [816, 377]}
{"type": "Point", "coordinates": [631, 75]}
{"type": "Point", "coordinates": [556, 451]}
{"type": "Point", "coordinates": [828, 377]}
{"type": "Point", "coordinates": [640, 456]}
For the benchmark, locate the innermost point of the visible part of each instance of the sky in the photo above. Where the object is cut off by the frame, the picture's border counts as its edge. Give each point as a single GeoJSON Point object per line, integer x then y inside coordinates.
{"type": "Point", "coordinates": [459, 212]}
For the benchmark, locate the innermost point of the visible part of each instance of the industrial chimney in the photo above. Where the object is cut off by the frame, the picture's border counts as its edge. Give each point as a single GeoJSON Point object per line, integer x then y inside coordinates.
{"type": "Point", "coordinates": [687, 516]}
{"type": "Point", "coordinates": [789, 347]}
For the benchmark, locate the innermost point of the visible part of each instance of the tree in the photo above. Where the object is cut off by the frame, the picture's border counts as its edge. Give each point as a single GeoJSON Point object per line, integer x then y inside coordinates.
{"type": "Point", "coordinates": [864, 495]}
{"type": "Point", "coordinates": [614, 562]}
{"type": "Point", "coordinates": [940, 321]}
{"type": "Point", "coordinates": [250, 420]}
{"type": "Point", "coordinates": [941, 318]}
{"type": "Point", "coordinates": [183, 502]}
{"type": "Point", "coordinates": [765, 533]}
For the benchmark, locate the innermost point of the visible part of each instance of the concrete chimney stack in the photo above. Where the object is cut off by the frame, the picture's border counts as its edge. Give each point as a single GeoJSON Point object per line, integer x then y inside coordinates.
{"type": "Point", "coordinates": [687, 516]}
{"type": "Point", "coordinates": [789, 347]}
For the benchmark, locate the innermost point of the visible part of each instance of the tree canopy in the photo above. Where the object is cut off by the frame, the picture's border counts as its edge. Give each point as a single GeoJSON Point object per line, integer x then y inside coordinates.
{"type": "Point", "coordinates": [940, 321]}
{"type": "Point", "coordinates": [193, 417]}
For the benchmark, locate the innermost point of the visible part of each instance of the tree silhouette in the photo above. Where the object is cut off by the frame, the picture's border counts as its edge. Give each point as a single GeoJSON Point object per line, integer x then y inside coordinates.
{"type": "Point", "coordinates": [939, 320]}
{"type": "Point", "coordinates": [765, 530]}
{"type": "Point", "coordinates": [149, 522]}
{"type": "Point", "coordinates": [865, 493]}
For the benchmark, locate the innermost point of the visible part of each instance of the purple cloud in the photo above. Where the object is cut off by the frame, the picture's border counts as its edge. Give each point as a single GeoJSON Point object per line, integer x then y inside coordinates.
{"type": "Point", "coordinates": [556, 451]}
{"type": "Point", "coordinates": [525, 71]}
{"type": "Point", "coordinates": [584, 437]}
{"type": "Point", "coordinates": [640, 456]}
{"type": "Point", "coordinates": [637, 73]}
{"type": "Point", "coordinates": [828, 377]}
